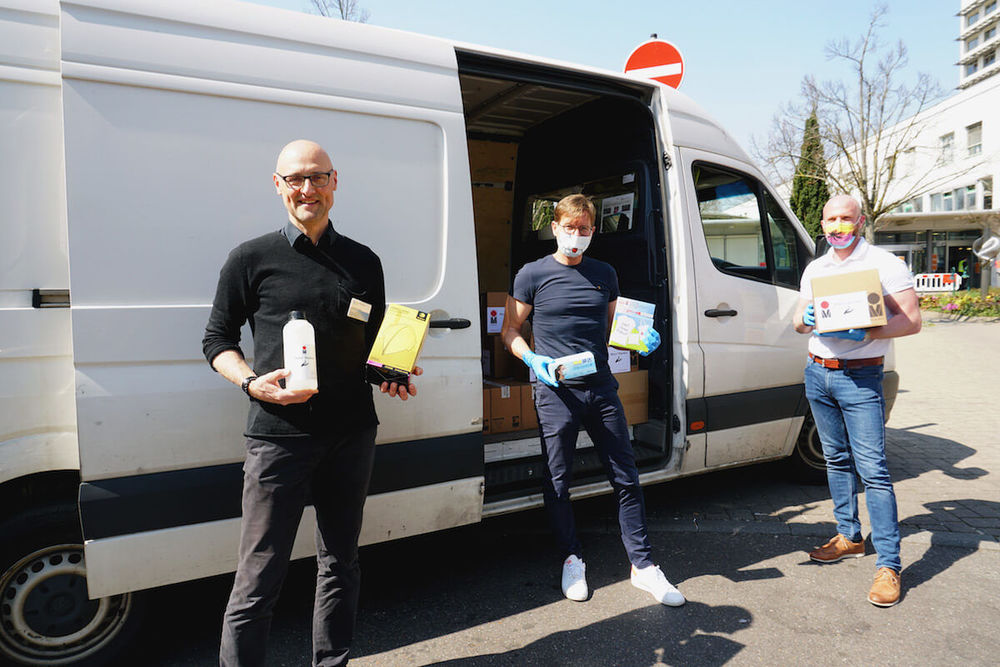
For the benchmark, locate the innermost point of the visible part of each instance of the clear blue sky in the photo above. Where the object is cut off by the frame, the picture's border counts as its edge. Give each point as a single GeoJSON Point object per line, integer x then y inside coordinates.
{"type": "Point", "coordinates": [742, 57]}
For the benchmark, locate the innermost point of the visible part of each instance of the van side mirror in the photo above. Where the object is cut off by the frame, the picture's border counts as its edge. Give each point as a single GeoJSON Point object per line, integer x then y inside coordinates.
{"type": "Point", "coordinates": [821, 245]}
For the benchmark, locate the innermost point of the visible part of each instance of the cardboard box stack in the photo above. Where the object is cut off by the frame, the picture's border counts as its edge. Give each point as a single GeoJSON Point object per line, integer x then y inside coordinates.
{"type": "Point", "coordinates": [633, 390]}
{"type": "Point", "coordinates": [504, 406]}
{"type": "Point", "coordinates": [498, 363]}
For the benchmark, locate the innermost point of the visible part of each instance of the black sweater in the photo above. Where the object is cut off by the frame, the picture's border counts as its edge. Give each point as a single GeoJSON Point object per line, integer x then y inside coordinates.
{"type": "Point", "coordinates": [266, 278]}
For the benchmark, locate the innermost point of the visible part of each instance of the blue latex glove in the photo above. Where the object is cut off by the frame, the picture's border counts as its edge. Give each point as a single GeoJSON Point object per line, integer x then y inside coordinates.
{"type": "Point", "coordinates": [540, 364]}
{"type": "Point", "coordinates": [809, 316]}
{"type": "Point", "coordinates": [851, 334]}
{"type": "Point", "coordinates": [650, 341]}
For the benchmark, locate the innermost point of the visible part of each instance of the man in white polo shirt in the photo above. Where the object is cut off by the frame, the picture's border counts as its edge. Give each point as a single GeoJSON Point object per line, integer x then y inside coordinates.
{"type": "Point", "coordinates": [844, 387]}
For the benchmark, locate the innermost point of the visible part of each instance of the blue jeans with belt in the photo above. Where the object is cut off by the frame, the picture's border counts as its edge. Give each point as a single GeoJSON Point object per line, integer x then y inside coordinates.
{"type": "Point", "coordinates": [849, 410]}
{"type": "Point", "coordinates": [561, 412]}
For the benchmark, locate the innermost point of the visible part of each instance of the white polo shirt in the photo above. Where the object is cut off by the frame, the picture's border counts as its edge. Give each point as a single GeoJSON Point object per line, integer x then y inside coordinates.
{"type": "Point", "coordinates": [893, 275]}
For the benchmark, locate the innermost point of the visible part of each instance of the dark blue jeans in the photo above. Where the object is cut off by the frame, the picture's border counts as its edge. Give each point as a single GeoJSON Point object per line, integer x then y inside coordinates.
{"type": "Point", "coordinates": [278, 475]}
{"type": "Point", "coordinates": [849, 410]}
{"type": "Point", "coordinates": [561, 412]}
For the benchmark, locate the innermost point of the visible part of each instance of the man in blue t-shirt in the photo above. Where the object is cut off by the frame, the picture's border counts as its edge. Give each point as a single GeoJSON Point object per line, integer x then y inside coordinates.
{"type": "Point", "coordinates": [571, 299]}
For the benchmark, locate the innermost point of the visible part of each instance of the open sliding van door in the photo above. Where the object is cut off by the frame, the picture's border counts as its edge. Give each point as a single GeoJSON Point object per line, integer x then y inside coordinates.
{"type": "Point", "coordinates": [173, 116]}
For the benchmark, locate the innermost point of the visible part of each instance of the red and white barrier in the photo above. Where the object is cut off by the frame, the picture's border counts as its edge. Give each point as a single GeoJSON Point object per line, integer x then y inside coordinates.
{"type": "Point", "coordinates": [937, 282]}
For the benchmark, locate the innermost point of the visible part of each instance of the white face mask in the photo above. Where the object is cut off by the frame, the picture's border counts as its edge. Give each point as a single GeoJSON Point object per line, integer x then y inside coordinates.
{"type": "Point", "coordinates": [572, 245]}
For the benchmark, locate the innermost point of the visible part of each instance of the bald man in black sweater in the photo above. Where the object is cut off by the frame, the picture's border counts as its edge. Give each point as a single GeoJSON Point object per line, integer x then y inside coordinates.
{"type": "Point", "coordinates": [302, 442]}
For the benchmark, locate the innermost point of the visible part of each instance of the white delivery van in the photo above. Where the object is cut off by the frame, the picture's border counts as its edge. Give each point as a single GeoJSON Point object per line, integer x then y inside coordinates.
{"type": "Point", "coordinates": [138, 138]}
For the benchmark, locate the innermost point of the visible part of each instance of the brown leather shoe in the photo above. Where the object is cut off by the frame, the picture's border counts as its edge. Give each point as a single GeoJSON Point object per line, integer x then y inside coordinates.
{"type": "Point", "coordinates": [837, 549]}
{"type": "Point", "coordinates": [885, 589]}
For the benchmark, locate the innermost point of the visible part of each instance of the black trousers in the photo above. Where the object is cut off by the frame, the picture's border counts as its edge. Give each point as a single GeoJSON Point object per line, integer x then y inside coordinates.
{"type": "Point", "coordinates": [278, 475]}
{"type": "Point", "coordinates": [561, 412]}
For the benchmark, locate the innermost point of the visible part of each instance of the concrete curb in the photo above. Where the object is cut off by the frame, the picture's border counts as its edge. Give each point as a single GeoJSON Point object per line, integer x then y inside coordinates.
{"type": "Point", "coordinates": [940, 317]}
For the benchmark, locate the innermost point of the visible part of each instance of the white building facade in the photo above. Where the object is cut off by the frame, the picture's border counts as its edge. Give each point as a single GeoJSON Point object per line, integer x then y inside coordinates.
{"type": "Point", "coordinates": [956, 160]}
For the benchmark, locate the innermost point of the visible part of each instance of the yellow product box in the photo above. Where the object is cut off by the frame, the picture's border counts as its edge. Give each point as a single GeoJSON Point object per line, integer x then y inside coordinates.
{"type": "Point", "coordinates": [397, 345]}
{"type": "Point", "coordinates": [848, 301]}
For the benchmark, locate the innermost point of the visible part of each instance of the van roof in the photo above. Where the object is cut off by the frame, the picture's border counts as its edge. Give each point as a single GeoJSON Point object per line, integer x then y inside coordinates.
{"type": "Point", "coordinates": [690, 125]}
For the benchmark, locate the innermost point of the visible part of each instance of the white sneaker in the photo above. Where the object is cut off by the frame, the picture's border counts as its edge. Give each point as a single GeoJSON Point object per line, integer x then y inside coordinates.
{"type": "Point", "coordinates": [651, 580]}
{"type": "Point", "coordinates": [574, 579]}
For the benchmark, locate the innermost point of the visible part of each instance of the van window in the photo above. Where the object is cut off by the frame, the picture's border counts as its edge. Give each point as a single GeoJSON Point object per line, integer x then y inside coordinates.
{"type": "Point", "coordinates": [614, 198]}
{"type": "Point", "coordinates": [785, 245]}
{"type": "Point", "coordinates": [731, 205]}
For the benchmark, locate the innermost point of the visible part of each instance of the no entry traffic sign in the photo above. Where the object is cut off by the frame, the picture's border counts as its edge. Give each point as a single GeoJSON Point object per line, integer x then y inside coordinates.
{"type": "Point", "coordinates": [657, 60]}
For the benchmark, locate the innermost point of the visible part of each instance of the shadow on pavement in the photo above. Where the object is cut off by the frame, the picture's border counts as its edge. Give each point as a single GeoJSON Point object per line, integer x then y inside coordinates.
{"type": "Point", "coordinates": [504, 568]}
{"type": "Point", "coordinates": [913, 454]}
{"type": "Point", "coordinates": [648, 636]}
{"type": "Point", "coordinates": [941, 555]}
{"type": "Point", "coordinates": [429, 587]}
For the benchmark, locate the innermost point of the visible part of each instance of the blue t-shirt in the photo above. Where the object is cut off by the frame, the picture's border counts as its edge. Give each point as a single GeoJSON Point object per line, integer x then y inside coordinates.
{"type": "Point", "coordinates": [569, 309]}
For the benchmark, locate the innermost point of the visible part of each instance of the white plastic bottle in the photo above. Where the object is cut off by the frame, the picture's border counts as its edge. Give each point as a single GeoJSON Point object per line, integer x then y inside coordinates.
{"type": "Point", "coordinates": [300, 352]}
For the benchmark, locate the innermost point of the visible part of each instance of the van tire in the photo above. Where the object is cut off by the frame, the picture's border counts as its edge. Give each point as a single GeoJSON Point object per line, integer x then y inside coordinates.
{"type": "Point", "coordinates": [45, 616]}
{"type": "Point", "coordinates": [806, 464]}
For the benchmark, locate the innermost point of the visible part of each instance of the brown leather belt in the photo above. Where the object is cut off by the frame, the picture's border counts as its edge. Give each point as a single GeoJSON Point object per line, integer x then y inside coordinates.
{"type": "Point", "coordinates": [840, 364]}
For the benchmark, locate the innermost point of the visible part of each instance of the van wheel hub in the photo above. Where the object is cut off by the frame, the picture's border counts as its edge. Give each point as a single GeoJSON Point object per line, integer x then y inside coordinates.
{"type": "Point", "coordinates": [45, 615]}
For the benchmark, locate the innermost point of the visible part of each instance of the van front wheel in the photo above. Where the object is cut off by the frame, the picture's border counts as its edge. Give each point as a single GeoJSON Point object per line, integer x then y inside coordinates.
{"type": "Point", "coordinates": [806, 462]}
{"type": "Point", "coordinates": [46, 618]}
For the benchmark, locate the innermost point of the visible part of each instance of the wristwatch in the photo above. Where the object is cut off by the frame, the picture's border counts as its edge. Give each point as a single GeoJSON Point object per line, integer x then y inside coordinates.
{"type": "Point", "coordinates": [246, 384]}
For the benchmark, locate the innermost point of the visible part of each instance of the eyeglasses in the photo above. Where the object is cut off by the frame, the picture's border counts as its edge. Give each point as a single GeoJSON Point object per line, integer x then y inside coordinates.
{"type": "Point", "coordinates": [582, 231]}
{"type": "Point", "coordinates": [320, 179]}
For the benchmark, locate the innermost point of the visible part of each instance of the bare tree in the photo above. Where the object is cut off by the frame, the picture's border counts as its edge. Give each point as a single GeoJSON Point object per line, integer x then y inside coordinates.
{"type": "Point", "coordinates": [349, 10]}
{"type": "Point", "coordinates": [869, 125]}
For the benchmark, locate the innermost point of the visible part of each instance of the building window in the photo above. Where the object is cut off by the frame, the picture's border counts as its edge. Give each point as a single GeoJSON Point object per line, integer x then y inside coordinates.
{"type": "Point", "coordinates": [948, 147]}
{"type": "Point", "coordinates": [936, 202]}
{"type": "Point", "coordinates": [972, 18]}
{"type": "Point", "coordinates": [959, 196]}
{"type": "Point", "coordinates": [972, 43]}
{"type": "Point", "coordinates": [971, 68]}
{"type": "Point", "coordinates": [990, 58]}
{"type": "Point", "coordinates": [970, 197]}
{"type": "Point", "coordinates": [974, 135]}
{"type": "Point", "coordinates": [990, 34]}
{"type": "Point", "coordinates": [915, 205]}
{"type": "Point", "coordinates": [987, 184]}
{"type": "Point", "coordinates": [947, 201]}
{"type": "Point", "coordinates": [990, 8]}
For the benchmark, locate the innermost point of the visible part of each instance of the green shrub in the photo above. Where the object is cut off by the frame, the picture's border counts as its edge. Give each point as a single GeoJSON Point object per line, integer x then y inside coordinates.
{"type": "Point", "coordinates": [964, 303]}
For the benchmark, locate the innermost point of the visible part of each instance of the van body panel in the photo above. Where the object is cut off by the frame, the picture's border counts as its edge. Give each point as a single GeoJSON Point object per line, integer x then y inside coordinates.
{"type": "Point", "coordinates": [685, 370]}
{"type": "Point", "coordinates": [37, 411]}
{"type": "Point", "coordinates": [755, 348]}
{"type": "Point", "coordinates": [157, 558]}
{"type": "Point", "coordinates": [173, 114]}
{"type": "Point", "coordinates": [262, 47]}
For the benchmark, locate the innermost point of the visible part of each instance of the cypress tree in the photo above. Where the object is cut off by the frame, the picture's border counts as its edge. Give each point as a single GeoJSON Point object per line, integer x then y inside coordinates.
{"type": "Point", "coordinates": [809, 191]}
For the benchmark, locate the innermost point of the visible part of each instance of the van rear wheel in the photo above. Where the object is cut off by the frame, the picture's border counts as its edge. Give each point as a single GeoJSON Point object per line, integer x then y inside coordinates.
{"type": "Point", "coordinates": [806, 463]}
{"type": "Point", "coordinates": [46, 618]}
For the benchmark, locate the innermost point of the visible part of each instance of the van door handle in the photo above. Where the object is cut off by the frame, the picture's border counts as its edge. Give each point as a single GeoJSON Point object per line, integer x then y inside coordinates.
{"type": "Point", "coordinates": [454, 323]}
{"type": "Point", "coordinates": [715, 312]}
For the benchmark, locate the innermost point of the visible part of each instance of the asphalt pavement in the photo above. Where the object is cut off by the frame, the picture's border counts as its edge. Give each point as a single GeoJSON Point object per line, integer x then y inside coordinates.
{"type": "Point", "coordinates": [734, 542]}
